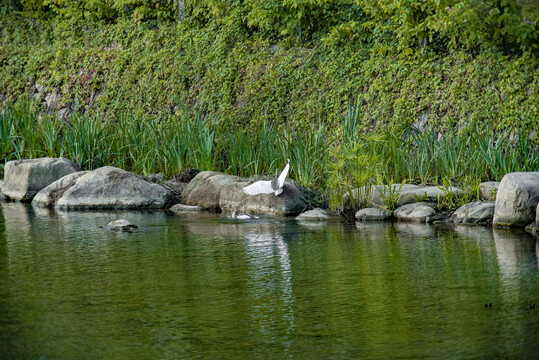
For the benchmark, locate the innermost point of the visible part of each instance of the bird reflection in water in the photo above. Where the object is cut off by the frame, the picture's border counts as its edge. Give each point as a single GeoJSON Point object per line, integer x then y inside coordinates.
{"type": "Point", "coordinates": [269, 281]}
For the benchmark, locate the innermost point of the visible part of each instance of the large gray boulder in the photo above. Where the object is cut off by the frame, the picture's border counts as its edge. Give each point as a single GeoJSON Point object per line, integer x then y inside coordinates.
{"type": "Point", "coordinates": [25, 178]}
{"type": "Point", "coordinates": [48, 196]}
{"type": "Point", "coordinates": [205, 188]}
{"type": "Point", "coordinates": [416, 212]}
{"type": "Point", "coordinates": [216, 191]}
{"type": "Point", "coordinates": [477, 212]}
{"type": "Point", "coordinates": [517, 199]}
{"type": "Point", "coordinates": [107, 188]}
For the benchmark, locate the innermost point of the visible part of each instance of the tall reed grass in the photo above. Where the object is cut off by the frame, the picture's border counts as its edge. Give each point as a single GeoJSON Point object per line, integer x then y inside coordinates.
{"type": "Point", "coordinates": [430, 156]}
{"type": "Point", "coordinates": [168, 144]}
{"type": "Point", "coordinates": [463, 157]}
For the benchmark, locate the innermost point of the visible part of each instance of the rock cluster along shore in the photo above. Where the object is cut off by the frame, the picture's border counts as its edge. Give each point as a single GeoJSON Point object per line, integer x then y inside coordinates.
{"type": "Point", "coordinates": [61, 184]}
{"type": "Point", "coordinates": [516, 203]}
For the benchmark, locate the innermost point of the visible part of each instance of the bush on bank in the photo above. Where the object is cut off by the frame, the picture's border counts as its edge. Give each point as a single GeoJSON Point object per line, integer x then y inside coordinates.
{"type": "Point", "coordinates": [290, 62]}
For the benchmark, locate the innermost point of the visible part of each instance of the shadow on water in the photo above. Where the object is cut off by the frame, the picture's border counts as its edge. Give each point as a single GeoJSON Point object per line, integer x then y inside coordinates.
{"type": "Point", "coordinates": [202, 285]}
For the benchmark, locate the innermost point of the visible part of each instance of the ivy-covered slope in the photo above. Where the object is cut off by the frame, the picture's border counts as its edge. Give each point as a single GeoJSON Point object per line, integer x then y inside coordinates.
{"type": "Point", "coordinates": [241, 76]}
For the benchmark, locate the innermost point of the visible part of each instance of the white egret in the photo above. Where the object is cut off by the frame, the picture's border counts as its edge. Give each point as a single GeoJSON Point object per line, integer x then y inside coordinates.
{"type": "Point", "coordinates": [235, 215]}
{"type": "Point", "coordinates": [269, 186]}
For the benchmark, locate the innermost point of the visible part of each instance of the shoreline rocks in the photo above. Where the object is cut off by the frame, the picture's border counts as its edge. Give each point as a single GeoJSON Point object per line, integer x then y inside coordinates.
{"type": "Point", "coordinates": [216, 191]}
{"type": "Point", "coordinates": [204, 189]}
{"type": "Point", "coordinates": [477, 212]}
{"type": "Point", "coordinates": [25, 178]}
{"type": "Point", "coordinates": [106, 188]}
{"type": "Point", "coordinates": [488, 190]}
{"type": "Point", "coordinates": [48, 196]}
{"type": "Point", "coordinates": [186, 208]}
{"type": "Point", "coordinates": [60, 183]}
{"type": "Point", "coordinates": [403, 193]}
{"type": "Point", "coordinates": [416, 212]}
{"type": "Point", "coordinates": [289, 202]}
{"type": "Point", "coordinates": [517, 199]}
{"type": "Point", "coordinates": [373, 214]}
{"type": "Point", "coordinates": [317, 215]}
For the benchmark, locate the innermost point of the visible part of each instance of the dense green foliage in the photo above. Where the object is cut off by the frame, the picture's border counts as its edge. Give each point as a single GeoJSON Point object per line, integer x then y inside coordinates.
{"type": "Point", "coordinates": [439, 24]}
{"type": "Point", "coordinates": [244, 79]}
{"type": "Point", "coordinates": [98, 9]}
{"type": "Point", "coordinates": [268, 80]}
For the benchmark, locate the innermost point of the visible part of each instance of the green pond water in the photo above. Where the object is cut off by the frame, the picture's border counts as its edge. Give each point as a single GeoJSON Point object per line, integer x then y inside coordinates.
{"type": "Point", "coordinates": [204, 286]}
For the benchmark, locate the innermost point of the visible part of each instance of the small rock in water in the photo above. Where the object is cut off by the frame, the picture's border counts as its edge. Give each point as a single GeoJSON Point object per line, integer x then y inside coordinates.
{"type": "Point", "coordinates": [317, 215]}
{"type": "Point", "coordinates": [121, 225]}
{"type": "Point", "coordinates": [532, 228]}
{"type": "Point", "coordinates": [373, 214]}
{"type": "Point", "coordinates": [416, 212]}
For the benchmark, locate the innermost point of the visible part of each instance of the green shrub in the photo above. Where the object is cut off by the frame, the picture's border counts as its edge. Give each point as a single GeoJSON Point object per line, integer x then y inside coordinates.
{"type": "Point", "coordinates": [452, 24]}
{"type": "Point", "coordinates": [101, 9]}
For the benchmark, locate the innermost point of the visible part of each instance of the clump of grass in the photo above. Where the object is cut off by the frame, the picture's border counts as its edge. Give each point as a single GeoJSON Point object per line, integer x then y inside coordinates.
{"type": "Point", "coordinates": [267, 148]}
{"type": "Point", "coordinates": [252, 153]}
{"type": "Point", "coordinates": [455, 196]}
{"type": "Point", "coordinates": [88, 141]}
{"type": "Point", "coordinates": [335, 165]}
{"type": "Point", "coordinates": [390, 195]}
{"type": "Point", "coordinates": [430, 156]}
{"type": "Point", "coordinates": [306, 149]}
{"type": "Point", "coordinates": [355, 162]}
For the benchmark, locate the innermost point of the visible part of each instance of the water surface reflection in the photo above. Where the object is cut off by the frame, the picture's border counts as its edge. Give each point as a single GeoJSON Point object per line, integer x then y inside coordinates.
{"type": "Point", "coordinates": [197, 285]}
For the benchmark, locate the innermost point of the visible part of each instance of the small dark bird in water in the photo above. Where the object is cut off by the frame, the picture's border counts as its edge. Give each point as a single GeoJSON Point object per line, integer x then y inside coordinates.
{"type": "Point", "coordinates": [489, 305]}
{"type": "Point", "coordinates": [532, 307]}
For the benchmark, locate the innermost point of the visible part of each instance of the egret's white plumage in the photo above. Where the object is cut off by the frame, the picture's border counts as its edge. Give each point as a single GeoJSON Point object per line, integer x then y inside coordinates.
{"type": "Point", "coordinates": [259, 187]}
{"type": "Point", "coordinates": [283, 175]}
{"type": "Point", "coordinates": [269, 186]}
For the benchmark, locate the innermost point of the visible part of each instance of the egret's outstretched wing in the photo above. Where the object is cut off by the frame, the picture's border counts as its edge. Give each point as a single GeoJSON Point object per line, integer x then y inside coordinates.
{"type": "Point", "coordinates": [283, 175]}
{"type": "Point", "coordinates": [259, 187]}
